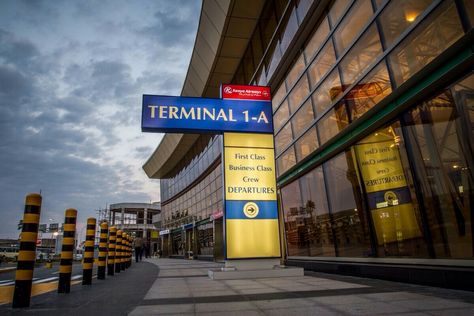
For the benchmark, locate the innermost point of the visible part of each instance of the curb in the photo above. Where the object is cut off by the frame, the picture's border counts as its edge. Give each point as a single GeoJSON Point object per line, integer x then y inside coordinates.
{"type": "Point", "coordinates": [3, 270]}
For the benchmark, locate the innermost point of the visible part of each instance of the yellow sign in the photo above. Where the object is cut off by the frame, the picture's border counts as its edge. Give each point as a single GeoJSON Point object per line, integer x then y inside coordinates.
{"type": "Point", "coordinates": [389, 197]}
{"type": "Point", "coordinates": [249, 173]}
{"type": "Point", "coordinates": [252, 238]}
{"type": "Point", "coordinates": [251, 208]}
{"type": "Point", "coordinates": [379, 162]}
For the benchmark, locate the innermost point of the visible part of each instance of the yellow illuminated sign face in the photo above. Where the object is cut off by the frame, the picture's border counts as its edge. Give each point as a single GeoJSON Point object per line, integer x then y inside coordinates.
{"type": "Point", "coordinates": [250, 173]}
{"type": "Point", "coordinates": [251, 209]}
{"type": "Point", "coordinates": [259, 238]}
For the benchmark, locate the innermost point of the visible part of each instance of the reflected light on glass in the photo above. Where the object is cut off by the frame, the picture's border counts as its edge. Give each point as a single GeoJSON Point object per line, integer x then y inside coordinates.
{"type": "Point", "coordinates": [411, 16]}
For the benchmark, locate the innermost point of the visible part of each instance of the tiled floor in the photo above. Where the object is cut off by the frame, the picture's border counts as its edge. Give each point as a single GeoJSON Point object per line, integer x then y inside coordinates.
{"type": "Point", "coordinates": [183, 288]}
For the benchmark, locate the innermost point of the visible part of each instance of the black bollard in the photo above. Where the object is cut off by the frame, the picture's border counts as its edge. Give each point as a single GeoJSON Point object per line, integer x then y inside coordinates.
{"type": "Point", "coordinates": [102, 251]}
{"type": "Point", "coordinates": [111, 251]}
{"type": "Point", "coordinates": [65, 265]}
{"type": "Point", "coordinates": [27, 253]}
{"type": "Point", "coordinates": [88, 261]}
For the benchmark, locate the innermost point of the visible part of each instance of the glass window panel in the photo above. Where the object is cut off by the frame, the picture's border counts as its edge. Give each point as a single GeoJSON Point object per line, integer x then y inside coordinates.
{"type": "Point", "coordinates": [350, 225]}
{"type": "Point", "coordinates": [440, 130]}
{"type": "Point", "coordinates": [267, 23]}
{"type": "Point", "coordinates": [286, 160]}
{"type": "Point", "coordinates": [316, 214]}
{"type": "Point", "coordinates": [469, 5]}
{"type": "Point", "coordinates": [337, 9]}
{"type": "Point", "coordinates": [278, 96]}
{"type": "Point", "coordinates": [332, 123]}
{"type": "Point", "coordinates": [274, 60]}
{"type": "Point", "coordinates": [295, 72]}
{"type": "Point", "coordinates": [440, 30]}
{"type": "Point", "coordinates": [321, 64]}
{"type": "Point", "coordinates": [370, 91]}
{"type": "Point", "coordinates": [303, 7]}
{"type": "Point", "coordinates": [352, 24]}
{"type": "Point", "coordinates": [257, 48]}
{"type": "Point", "coordinates": [295, 228]}
{"type": "Point", "coordinates": [298, 94]}
{"type": "Point", "coordinates": [283, 138]}
{"type": "Point", "coordinates": [389, 190]}
{"type": "Point", "coordinates": [302, 118]}
{"type": "Point", "coordinates": [327, 92]}
{"type": "Point", "coordinates": [317, 39]}
{"type": "Point", "coordinates": [281, 116]}
{"type": "Point", "coordinates": [361, 55]}
{"type": "Point", "coordinates": [290, 30]}
{"type": "Point", "coordinates": [306, 144]}
{"type": "Point", "coordinates": [398, 16]}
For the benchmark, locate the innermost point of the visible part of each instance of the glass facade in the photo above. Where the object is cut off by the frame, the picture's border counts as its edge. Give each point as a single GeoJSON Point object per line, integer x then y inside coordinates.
{"type": "Point", "coordinates": [405, 190]}
{"type": "Point", "coordinates": [359, 52]}
{"type": "Point", "coordinates": [400, 189]}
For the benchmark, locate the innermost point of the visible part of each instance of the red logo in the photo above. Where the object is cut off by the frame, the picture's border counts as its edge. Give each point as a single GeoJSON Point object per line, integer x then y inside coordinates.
{"type": "Point", "coordinates": [241, 92]}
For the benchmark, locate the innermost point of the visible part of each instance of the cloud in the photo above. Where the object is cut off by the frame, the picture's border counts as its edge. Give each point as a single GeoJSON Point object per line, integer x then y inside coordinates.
{"type": "Point", "coordinates": [70, 95]}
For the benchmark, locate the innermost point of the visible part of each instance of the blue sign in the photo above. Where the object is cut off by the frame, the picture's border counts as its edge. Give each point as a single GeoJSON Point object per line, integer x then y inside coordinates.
{"type": "Point", "coordinates": [184, 114]}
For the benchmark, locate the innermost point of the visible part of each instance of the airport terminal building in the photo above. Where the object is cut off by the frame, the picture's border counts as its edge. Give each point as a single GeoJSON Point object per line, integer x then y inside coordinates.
{"type": "Point", "coordinates": [373, 110]}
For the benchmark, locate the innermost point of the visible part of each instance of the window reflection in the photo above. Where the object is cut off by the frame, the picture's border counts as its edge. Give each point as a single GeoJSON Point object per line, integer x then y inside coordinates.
{"type": "Point", "coordinates": [317, 39]}
{"type": "Point", "coordinates": [295, 227]}
{"type": "Point", "coordinates": [278, 96]}
{"type": "Point", "coordinates": [361, 55]}
{"type": "Point", "coordinates": [337, 9]}
{"type": "Point", "coordinates": [283, 138]}
{"type": "Point", "coordinates": [441, 29]}
{"type": "Point", "coordinates": [286, 160]}
{"type": "Point", "coordinates": [350, 223]}
{"type": "Point", "coordinates": [352, 24]}
{"type": "Point", "coordinates": [298, 94]}
{"type": "Point", "coordinates": [302, 118]}
{"type": "Point", "coordinates": [332, 123]}
{"type": "Point", "coordinates": [469, 5]}
{"type": "Point", "coordinates": [398, 16]}
{"type": "Point", "coordinates": [382, 161]}
{"type": "Point", "coordinates": [370, 91]}
{"type": "Point", "coordinates": [295, 72]}
{"type": "Point", "coordinates": [306, 144]}
{"type": "Point", "coordinates": [322, 64]}
{"type": "Point", "coordinates": [327, 92]}
{"type": "Point", "coordinates": [441, 131]}
{"type": "Point", "coordinates": [281, 116]}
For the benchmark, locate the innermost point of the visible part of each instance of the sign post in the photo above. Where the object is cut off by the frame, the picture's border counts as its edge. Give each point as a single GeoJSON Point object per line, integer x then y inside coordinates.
{"type": "Point", "coordinates": [251, 224]}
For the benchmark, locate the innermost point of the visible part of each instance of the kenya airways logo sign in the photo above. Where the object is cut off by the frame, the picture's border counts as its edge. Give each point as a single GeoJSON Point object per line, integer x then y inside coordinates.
{"type": "Point", "coordinates": [241, 92]}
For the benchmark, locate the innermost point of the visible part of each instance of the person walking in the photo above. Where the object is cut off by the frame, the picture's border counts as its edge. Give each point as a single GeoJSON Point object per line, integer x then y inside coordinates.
{"type": "Point", "coordinates": [138, 244]}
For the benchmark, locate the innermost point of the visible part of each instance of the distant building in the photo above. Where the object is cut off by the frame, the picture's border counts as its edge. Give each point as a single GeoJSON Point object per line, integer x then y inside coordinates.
{"type": "Point", "coordinates": [137, 220]}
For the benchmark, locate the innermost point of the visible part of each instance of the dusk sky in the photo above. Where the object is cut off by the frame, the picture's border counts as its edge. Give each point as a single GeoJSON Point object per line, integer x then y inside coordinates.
{"type": "Point", "coordinates": [72, 74]}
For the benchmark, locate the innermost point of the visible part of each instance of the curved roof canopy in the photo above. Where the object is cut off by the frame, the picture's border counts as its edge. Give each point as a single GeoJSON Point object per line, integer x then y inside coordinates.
{"type": "Point", "coordinates": [224, 31]}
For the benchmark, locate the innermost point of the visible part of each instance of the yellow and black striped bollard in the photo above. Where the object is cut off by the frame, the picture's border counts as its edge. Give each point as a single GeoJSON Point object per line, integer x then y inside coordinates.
{"type": "Point", "coordinates": [27, 253]}
{"type": "Point", "coordinates": [118, 252]}
{"type": "Point", "coordinates": [124, 251]}
{"type": "Point", "coordinates": [65, 265]}
{"type": "Point", "coordinates": [129, 259]}
{"type": "Point", "coordinates": [111, 251]}
{"type": "Point", "coordinates": [88, 261]}
{"type": "Point", "coordinates": [102, 251]}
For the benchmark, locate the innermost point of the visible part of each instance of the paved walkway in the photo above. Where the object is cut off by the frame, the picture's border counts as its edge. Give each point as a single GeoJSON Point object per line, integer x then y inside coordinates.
{"type": "Point", "coordinates": [183, 288]}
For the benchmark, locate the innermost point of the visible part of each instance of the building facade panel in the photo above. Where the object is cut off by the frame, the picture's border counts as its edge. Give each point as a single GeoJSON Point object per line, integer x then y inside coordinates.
{"type": "Point", "coordinates": [373, 117]}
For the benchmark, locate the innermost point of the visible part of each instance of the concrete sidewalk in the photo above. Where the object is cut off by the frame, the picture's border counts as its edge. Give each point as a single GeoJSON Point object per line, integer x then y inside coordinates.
{"type": "Point", "coordinates": [183, 288]}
